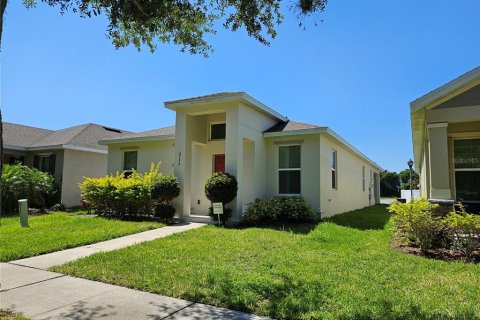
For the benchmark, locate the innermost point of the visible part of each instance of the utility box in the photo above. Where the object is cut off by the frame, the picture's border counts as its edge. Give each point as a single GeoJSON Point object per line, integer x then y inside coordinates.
{"type": "Point", "coordinates": [23, 209]}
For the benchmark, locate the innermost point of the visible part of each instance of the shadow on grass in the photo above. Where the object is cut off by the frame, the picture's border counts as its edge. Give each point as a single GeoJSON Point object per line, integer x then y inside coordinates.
{"type": "Point", "coordinates": [292, 227]}
{"type": "Point", "coordinates": [370, 218]}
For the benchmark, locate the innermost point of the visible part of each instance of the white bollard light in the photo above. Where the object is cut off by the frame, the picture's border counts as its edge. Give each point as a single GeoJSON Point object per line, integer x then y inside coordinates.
{"type": "Point", "coordinates": [23, 209]}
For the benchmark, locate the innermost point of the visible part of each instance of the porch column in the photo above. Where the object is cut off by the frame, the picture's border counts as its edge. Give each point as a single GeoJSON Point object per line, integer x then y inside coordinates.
{"type": "Point", "coordinates": [439, 170]}
{"type": "Point", "coordinates": [234, 157]}
{"type": "Point", "coordinates": [182, 162]}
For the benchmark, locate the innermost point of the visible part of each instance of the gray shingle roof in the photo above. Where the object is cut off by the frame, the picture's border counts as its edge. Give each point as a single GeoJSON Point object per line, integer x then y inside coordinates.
{"type": "Point", "coordinates": [82, 136]}
{"type": "Point", "coordinates": [291, 126]}
{"type": "Point", "coordinates": [165, 131]}
{"type": "Point", "coordinates": [22, 136]}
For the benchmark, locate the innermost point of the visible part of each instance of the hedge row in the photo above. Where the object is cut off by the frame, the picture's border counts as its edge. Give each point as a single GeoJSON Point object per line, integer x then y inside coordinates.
{"type": "Point", "coordinates": [138, 194]}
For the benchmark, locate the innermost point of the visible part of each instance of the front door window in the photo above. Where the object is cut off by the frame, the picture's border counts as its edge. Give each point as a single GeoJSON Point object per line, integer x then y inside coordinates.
{"type": "Point", "coordinates": [219, 163]}
{"type": "Point", "coordinates": [467, 169]}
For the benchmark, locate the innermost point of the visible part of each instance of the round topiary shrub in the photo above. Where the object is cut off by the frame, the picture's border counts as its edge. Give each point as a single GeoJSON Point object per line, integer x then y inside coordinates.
{"type": "Point", "coordinates": [221, 187]}
{"type": "Point", "coordinates": [165, 189]}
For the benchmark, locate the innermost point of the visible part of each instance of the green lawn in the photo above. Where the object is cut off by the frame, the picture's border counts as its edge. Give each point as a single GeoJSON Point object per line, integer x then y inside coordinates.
{"type": "Point", "coordinates": [60, 230]}
{"type": "Point", "coordinates": [341, 269]}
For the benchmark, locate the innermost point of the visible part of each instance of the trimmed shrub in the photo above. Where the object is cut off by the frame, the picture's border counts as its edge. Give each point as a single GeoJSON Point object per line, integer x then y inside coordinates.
{"type": "Point", "coordinates": [463, 232]}
{"type": "Point", "coordinates": [120, 196]}
{"type": "Point", "coordinates": [221, 187]}
{"type": "Point", "coordinates": [22, 182]}
{"type": "Point", "coordinates": [165, 212]}
{"type": "Point", "coordinates": [287, 209]}
{"type": "Point", "coordinates": [165, 189]}
{"type": "Point", "coordinates": [416, 224]}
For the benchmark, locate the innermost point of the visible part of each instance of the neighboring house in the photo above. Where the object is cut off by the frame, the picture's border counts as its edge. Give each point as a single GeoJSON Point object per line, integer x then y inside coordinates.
{"type": "Point", "coordinates": [446, 140]}
{"type": "Point", "coordinates": [269, 155]}
{"type": "Point", "coordinates": [68, 154]}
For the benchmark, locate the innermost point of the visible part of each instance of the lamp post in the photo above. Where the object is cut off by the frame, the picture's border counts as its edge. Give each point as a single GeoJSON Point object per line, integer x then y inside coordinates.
{"type": "Point", "coordinates": [410, 165]}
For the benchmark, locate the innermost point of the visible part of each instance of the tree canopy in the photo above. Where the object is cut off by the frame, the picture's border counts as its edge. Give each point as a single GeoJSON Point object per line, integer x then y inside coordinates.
{"type": "Point", "coordinates": [405, 179]}
{"type": "Point", "coordinates": [183, 22]}
{"type": "Point", "coordinates": [389, 184]}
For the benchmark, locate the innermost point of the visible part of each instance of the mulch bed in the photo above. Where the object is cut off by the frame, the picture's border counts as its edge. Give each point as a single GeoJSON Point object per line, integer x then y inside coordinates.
{"type": "Point", "coordinates": [440, 254]}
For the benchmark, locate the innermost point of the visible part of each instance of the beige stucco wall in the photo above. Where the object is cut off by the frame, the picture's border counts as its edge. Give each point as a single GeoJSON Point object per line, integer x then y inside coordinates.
{"type": "Point", "coordinates": [349, 194]}
{"type": "Point", "coordinates": [309, 162]}
{"type": "Point", "coordinates": [76, 166]}
{"type": "Point", "coordinates": [148, 153]}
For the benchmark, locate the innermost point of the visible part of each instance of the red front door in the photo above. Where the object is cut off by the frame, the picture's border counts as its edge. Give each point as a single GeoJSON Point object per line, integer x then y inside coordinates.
{"type": "Point", "coordinates": [219, 163]}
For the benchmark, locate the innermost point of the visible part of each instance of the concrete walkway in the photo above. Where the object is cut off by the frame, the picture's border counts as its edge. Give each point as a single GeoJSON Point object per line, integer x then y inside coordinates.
{"type": "Point", "coordinates": [27, 288]}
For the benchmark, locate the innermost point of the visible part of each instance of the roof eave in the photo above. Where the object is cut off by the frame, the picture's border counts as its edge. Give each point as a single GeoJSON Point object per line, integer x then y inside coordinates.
{"type": "Point", "coordinates": [138, 139]}
{"type": "Point", "coordinates": [456, 86]}
{"type": "Point", "coordinates": [238, 96]}
{"type": "Point", "coordinates": [318, 130]}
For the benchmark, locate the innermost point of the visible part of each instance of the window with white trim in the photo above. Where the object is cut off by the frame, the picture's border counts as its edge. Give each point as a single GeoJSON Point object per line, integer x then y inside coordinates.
{"type": "Point", "coordinates": [363, 178]}
{"type": "Point", "coordinates": [289, 171]}
{"type": "Point", "coordinates": [334, 169]}
{"type": "Point", "coordinates": [129, 162]}
{"type": "Point", "coordinates": [467, 169]}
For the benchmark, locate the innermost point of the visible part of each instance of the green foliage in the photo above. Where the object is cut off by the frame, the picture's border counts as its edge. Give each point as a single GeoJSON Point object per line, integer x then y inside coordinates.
{"type": "Point", "coordinates": [165, 189]}
{"type": "Point", "coordinates": [183, 23]}
{"type": "Point", "coordinates": [120, 196]}
{"type": "Point", "coordinates": [389, 184]}
{"type": "Point", "coordinates": [463, 231]}
{"type": "Point", "coordinates": [415, 223]}
{"type": "Point", "coordinates": [292, 209]}
{"type": "Point", "coordinates": [165, 212]}
{"type": "Point", "coordinates": [405, 179]}
{"type": "Point", "coordinates": [22, 182]}
{"type": "Point", "coordinates": [221, 187]}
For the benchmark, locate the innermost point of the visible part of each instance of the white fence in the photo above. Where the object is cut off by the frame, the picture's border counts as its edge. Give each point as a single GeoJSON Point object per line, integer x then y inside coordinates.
{"type": "Point", "coordinates": [405, 194]}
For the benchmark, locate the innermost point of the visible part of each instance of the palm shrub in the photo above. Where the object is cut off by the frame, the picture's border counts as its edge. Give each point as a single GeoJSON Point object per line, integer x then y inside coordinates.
{"type": "Point", "coordinates": [22, 182]}
{"type": "Point", "coordinates": [165, 189]}
{"type": "Point", "coordinates": [221, 187]}
{"type": "Point", "coordinates": [415, 223]}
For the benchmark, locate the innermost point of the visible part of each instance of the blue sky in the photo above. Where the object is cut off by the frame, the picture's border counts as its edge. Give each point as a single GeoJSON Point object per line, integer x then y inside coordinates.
{"type": "Point", "coordinates": [356, 72]}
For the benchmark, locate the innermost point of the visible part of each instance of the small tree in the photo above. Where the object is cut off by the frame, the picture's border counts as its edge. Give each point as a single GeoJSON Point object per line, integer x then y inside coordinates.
{"type": "Point", "coordinates": [221, 187]}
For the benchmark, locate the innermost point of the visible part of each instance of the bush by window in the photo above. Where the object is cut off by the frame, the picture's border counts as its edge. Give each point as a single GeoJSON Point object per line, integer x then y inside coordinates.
{"type": "Point", "coordinates": [287, 209]}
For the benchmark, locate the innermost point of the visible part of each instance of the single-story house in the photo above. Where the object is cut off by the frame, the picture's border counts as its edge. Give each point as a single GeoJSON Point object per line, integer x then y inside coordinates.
{"type": "Point", "coordinates": [269, 155]}
{"type": "Point", "coordinates": [68, 154]}
{"type": "Point", "coordinates": [446, 140]}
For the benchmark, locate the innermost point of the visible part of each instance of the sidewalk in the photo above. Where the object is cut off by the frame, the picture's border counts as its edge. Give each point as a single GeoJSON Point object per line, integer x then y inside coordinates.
{"type": "Point", "coordinates": [27, 288]}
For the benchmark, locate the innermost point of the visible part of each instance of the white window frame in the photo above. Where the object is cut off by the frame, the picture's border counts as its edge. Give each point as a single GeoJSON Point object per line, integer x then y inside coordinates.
{"type": "Point", "coordinates": [363, 178]}
{"type": "Point", "coordinates": [288, 169]}
{"type": "Point", "coordinates": [461, 169]}
{"type": "Point", "coordinates": [210, 130]}
{"type": "Point", "coordinates": [334, 168]}
{"type": "Point", "coordinates": [123, 159]}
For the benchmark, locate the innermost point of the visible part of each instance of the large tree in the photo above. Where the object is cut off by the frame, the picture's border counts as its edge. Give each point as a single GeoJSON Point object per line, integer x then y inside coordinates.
{"type": "Point", "coordinates": [182, 22]}
{"type": "Point", "coordinates": [389, 184]}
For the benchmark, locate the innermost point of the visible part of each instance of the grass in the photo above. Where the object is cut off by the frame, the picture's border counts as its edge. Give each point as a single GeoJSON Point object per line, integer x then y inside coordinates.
{"type": "Point", "coordinates": [339, 269]}
{"type": "Point", "coordinates": [60, 230]}
{"type": "Point", "coordinates": [7, 315]}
